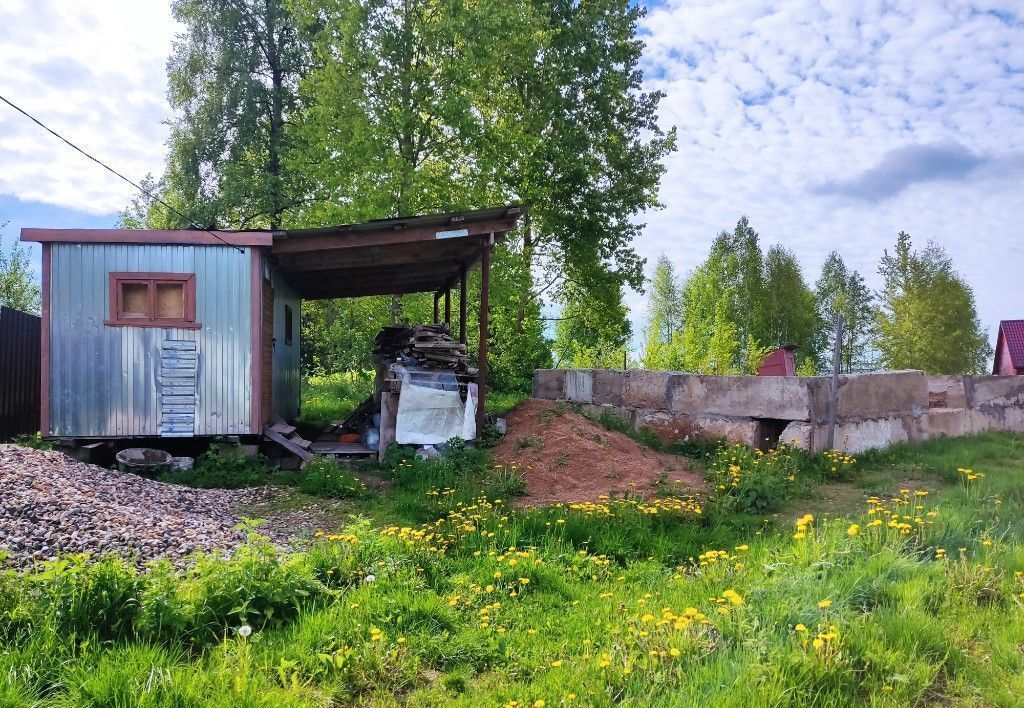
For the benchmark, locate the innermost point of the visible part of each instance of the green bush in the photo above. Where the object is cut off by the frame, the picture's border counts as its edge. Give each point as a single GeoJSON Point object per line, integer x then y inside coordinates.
{"type": "Point", "coordinates": [85, 598]}
{"type": "Point", "coordinates": [14, 609]}
{"type": "Point", "coordinates": [256, 586]}
{"type": "Point", "coordinates": [323, 477]}
{"type": "Point", "coordinates": [741, 480]}
{"type": "Point", "coordinates": [220, 468]}
{"type": "Point", "coordinates": [35, 441]}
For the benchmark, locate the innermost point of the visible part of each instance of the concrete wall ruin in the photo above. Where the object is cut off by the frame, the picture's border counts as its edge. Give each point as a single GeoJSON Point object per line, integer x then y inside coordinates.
{"type": "Point", "coordinates": [873, 410]}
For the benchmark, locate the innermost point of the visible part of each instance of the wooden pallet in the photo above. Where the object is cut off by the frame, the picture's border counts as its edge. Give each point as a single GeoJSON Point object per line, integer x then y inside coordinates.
{"type": "Point", "coordinates": [342, 450]}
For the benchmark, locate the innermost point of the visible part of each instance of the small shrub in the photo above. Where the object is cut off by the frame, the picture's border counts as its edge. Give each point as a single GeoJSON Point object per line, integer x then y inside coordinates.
{"type": "Point", "coordinates": [505, 481]}
{"type": "Point", "coordinates": [15, 612]}
{"type": "Point", "coordinates": [101, 598]}
{"type": "Point", "coordinates": [34, 441]}
{"type": "Point", "coordinates": [218, 468]}
{"type": "Point", "coordinates": [323, 477]}
{"type": "Point", "coordinates": [256, 586]}
{"type": "Point", "coordinates": [749, 481]}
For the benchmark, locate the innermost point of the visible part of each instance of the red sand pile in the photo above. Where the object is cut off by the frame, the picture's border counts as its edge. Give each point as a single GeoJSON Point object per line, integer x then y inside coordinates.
{"type": "Point", "coordinates": [566, 457]}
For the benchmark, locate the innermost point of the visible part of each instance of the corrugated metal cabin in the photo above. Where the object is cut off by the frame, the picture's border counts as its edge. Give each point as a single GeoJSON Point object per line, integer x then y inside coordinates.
{"type": "Point", "coordinates": [192, 333]}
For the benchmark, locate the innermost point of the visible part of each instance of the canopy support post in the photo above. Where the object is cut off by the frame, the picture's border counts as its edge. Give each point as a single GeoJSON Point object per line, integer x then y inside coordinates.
{"type": "Point", "coordinates": [448, 306]}
{"type": "Point", "coordinates": [485, 291]}
{"type": "Point", "coordinates": [437, 316]}
{"type": "Point", "coordinates": [462, 305]}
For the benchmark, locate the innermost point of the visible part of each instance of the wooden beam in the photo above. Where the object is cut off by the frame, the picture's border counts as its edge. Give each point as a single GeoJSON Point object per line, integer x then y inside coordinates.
{"type": "Point", "coordinates": [437, 316]}
{"type": "Point", "coordinates": [345, 240]}
{"type": "Point", "coordinates": [448, 307]}
{"type": "Point", "coordinates": [149, 236]}
{"type": "Point", "coordinates": [485, 291]}
{"type": "Point", "coordinates": [375, 256]}
{"type": "Point", "coordinates": [462, 305]}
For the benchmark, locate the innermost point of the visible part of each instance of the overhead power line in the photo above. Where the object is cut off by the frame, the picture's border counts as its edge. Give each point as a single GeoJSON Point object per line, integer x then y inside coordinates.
{"type": "Point", "coordinates": [110, 169]}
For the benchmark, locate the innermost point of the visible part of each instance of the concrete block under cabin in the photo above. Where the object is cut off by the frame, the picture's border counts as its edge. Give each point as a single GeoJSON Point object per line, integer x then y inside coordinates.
{"type": "Point", "coordinates": [675, 427]}
{"type": "Point", "coordinates": [768, 397]}
{"type": "Point", "coordinates": [646, 389]}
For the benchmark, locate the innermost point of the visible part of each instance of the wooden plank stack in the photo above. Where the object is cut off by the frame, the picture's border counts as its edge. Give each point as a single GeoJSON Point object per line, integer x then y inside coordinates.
{"type": "Point", "coordinates": [431, 345]}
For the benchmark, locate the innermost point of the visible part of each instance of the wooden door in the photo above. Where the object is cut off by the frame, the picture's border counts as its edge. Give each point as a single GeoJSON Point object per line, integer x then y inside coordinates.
{"type": "Point", "coordinates": [267, 361]}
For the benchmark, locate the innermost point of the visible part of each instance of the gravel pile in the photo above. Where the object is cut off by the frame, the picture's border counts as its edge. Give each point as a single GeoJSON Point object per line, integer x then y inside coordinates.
{"type": "Point", "coordinates": [51, 504]}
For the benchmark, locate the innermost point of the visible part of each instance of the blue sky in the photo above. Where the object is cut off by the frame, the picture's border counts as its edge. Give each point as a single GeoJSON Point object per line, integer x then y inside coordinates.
{"type": "Point", "coordinates": [831, 125]}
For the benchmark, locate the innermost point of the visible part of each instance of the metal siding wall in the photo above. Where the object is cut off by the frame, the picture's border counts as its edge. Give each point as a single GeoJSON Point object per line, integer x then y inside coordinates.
{"type": "Point", "coordinates": [103, 380]}
{"type": "Point", "coordinates": [286, 379]}
{"type": "Point", "coordinates": [19, 372]}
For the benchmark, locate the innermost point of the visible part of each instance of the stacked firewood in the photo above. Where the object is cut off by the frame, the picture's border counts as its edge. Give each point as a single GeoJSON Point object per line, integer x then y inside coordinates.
{"type": "Point", "coordinates": [430, 345]}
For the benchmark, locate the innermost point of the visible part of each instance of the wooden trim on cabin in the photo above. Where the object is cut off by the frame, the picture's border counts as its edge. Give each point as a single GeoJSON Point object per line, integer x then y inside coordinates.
{"type": "Point", "coordinates": [256, 338]}
{"type": "Point", "coordinates": [153, 237]}
{"type": "Point", "coordinates": [44, 374]}
{"type": "Point", "coordinates": [152, 281]}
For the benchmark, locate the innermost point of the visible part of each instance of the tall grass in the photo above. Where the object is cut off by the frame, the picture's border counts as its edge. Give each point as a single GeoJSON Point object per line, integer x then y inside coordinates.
{"type": "Point", "coordinates": [914, 597]}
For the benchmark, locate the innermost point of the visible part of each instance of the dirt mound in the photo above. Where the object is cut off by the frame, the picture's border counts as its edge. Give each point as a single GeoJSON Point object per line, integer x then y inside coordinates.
{"type": "Point", "coordinates": [566, 457]}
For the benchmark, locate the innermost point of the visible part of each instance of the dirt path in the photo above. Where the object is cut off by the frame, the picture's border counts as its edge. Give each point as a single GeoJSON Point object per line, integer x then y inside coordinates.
{"type": "Point", "coordinates": [566, 457]}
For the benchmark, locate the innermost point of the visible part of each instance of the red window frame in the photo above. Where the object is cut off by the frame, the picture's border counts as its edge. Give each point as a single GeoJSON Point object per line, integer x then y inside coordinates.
{"type": "Point", "coordinates": [152, 280]}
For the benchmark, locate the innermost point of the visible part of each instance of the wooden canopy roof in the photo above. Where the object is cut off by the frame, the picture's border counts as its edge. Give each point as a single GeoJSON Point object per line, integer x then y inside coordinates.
{"type": "Point", "coordinates": [388, 256]}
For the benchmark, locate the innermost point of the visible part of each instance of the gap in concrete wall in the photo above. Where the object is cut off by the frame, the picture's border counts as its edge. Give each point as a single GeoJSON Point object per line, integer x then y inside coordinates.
{"type": "Point", "coordinates": [769, 430]}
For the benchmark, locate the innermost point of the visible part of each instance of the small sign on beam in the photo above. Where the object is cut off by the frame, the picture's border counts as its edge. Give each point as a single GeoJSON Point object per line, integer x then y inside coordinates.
{"type": "Point", "coordinates": [457, 233]}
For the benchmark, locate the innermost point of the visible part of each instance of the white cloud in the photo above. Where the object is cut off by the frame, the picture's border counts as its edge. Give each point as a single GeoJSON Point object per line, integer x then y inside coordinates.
{"type": "Point", "coordinates": [773, 101]}
{"type": "Point", "coordinates": [94, 72]}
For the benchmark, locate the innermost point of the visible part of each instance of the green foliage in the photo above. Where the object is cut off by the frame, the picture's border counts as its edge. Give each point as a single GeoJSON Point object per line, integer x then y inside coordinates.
{"type": "Point", "coordinates": [34, 441]}
{"type": "Point", "coordinates": [18, 287]}
{"type": "Point", "coordinates": [333, 397]}
{"type": "Point", "coordinates": [842, 291]}
{"type": "Point", "coordinates": [926, 316]}
{"type": "Point", "coordinates": [592, 332]}
{"type": "Point", "coordinates": [232, 83]}
{"type": "Point", "coordinates": [479, 603]}
{"type": "Point", "coordinates": [101, 598]}
{"type": "Point", "coordinates": [322, 477]}
{"type": "Point", "coordinates": [412, 107]}
{"type": "Point", "coordinates": [222, 467]}
{"type": "Point", "coordinates": [741, 480]}
{"type": "Point", "coordinates": [664, 316]}
{"type": "Point", "coordinates": [790, 309]}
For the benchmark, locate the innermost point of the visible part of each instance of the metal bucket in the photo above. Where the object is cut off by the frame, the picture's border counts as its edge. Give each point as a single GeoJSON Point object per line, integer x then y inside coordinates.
{"type": "Point", "coordinates": [143, 461]}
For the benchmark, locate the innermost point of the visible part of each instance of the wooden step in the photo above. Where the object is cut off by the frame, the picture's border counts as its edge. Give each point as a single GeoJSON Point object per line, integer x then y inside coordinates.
{"type": "Point", "coordinates": [289, 444]}
{"type": "Point", "coordinates": [283, 428]}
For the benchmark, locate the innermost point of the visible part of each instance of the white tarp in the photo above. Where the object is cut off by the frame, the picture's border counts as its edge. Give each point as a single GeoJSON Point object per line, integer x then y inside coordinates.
{"type": "Point", "coordinates": [429, 416]}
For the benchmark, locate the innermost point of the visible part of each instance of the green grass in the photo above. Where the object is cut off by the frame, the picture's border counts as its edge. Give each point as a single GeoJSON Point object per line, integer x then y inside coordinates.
{"type": "Point", "coordinates": [326, 399]}
{"type": "Point", "coordinates": [442, 594]}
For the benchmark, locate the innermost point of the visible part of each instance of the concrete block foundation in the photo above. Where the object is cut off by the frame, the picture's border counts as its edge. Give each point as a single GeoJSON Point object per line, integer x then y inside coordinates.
{"type": "Point", "coordinates": [873, 410]}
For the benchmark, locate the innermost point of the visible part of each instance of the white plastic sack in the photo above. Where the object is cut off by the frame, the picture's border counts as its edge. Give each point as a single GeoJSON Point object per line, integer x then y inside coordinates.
{"type": "Point", "coordinates": [429, 416]}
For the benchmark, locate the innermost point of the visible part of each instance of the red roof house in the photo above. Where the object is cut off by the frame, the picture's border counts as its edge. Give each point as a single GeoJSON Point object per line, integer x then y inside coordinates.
{"type": "Point", "coordinates": [1009, 349]}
